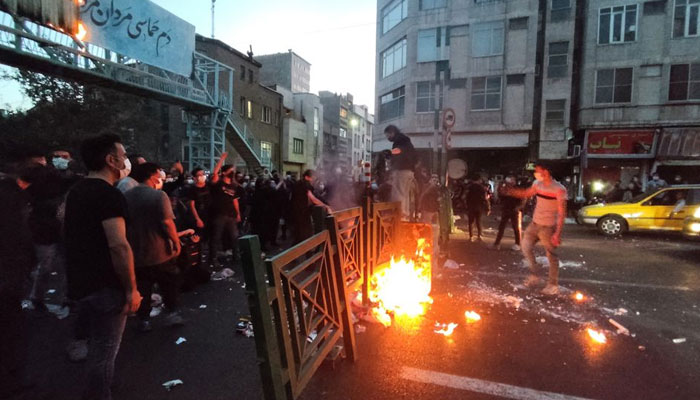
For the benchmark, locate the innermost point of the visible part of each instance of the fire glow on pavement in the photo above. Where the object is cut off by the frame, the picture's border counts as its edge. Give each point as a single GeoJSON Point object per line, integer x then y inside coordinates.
{"type": "Point", "coordinates": [445, 329]}
{"type": "Point", "coordinates": [597, 336]}
{"type": "Point", "coordinates": [472, 317]}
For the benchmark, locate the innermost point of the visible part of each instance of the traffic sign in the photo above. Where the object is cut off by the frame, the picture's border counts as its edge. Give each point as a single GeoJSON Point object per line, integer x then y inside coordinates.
{"type": "Point", "coordinates": [448, 118]}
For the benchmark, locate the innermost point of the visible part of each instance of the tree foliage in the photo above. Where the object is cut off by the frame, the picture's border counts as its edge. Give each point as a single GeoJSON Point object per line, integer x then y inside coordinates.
{"type": "Point", "coordinates": [66, 112]}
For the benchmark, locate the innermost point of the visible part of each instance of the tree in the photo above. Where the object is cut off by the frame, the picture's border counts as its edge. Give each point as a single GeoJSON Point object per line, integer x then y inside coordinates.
{"type": "Point", "coordinates": [66, 112]}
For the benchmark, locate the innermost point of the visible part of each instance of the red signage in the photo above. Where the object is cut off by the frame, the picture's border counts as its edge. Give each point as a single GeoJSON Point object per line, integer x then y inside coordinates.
{"type": "Point", "coordinates": [620, 142]}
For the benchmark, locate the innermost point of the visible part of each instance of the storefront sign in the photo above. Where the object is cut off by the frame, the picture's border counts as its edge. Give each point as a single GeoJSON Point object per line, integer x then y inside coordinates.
{"type": "Point", "coordinates": [141, 30]}
{"type": "Point", "coordinates": [633, 144]}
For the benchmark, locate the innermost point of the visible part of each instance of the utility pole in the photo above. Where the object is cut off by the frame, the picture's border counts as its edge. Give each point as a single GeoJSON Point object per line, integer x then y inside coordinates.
{"type": "Point", "coordinates": [212, 18]}
{"type": "Point", "coordinates": [441, 76]}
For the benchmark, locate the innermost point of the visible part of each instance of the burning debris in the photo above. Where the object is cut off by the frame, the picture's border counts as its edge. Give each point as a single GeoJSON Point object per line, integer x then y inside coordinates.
{"type": "Point", "coordinates": [578, 296]}
{"type": "Point", "coordinates": [402, 289]}
{"type": "Point", "coordinates": [597, 336]}
{"type": "Point", "coordinates": [445, 329]}
{"type": "Point", "coordinates": [472, 317]}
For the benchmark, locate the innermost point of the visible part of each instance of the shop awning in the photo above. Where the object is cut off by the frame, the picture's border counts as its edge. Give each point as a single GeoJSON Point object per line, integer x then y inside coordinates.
{"type": "Point", "coordinates": [679, 144]}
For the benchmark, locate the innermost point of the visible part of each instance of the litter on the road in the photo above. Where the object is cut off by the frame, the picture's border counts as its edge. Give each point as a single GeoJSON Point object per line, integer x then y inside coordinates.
{"type": "Point", "coordinates": [51, 291]}
{"type": "Point", "coordinates": [245, 327]}
{"type": "Point", "coordinates": [597, 336]}
{"type": "Point", "coordinates": [360, 328]}
{"type": "Point", "coordinates": [679, 340]}
{"type": "Point", "coordinates": [202, 306]}
{"type": "Point", "coordinates": [451, 264]}
{"type": "Point", "coordinates": [180, 340]}
{"type": "Point", "coordinates": [155, 311]}
{"type": "Point", "coordinates": [221, 275]}
{"type": "Point", "coordinates": [620, 329]}
{"type": "Point", "coordinates": [171, 384]}
{"type": "Point", "coordinates": [472, 317]}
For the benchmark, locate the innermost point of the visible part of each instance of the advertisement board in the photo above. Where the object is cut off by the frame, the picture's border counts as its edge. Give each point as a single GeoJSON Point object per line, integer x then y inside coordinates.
{"type": "Point", "coordinates": [620, 143]}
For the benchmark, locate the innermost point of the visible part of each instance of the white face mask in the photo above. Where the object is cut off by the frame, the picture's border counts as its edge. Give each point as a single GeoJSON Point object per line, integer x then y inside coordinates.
{"type": "Point", "coordinates": [123, 173]}
{"type": "Point", "coordinates": [201, 179]}
{"type": "Point", "coordinates": [538, 176]}
{"type": "Point", "coordinates": [159, 184]}
{"type": "Point", "coordinates": [60, 163]}
{"type": "Point", "coordinates": [189, 181]}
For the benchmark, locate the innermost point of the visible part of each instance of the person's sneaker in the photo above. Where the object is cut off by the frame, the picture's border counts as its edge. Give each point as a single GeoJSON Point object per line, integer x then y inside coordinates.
{"type": "Point", "coordinates": [77, 350]}
{"type": "Point", "coordinates": [515, 247]}
{"type": "Point", "coordinates": [532, 281]}
{"type": "Point", "coordinates": [472, 239]}
{"type": "Point", "coordinates": [174, 319]}
{"type": "Point", "coordinates": [496, 246]}
{"type": "Point", "coordinates": [550, 290]}
{"type": "Point", "coordinates": [144, 326]}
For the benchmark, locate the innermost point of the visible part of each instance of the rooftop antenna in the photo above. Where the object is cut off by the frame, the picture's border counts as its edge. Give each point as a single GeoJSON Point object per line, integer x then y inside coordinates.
{"type": "Point", "coordinates": [212, 18]}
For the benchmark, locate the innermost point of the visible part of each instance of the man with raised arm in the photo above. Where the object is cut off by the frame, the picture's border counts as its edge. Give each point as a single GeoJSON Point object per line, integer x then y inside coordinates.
{"type": "Point", "coordinates": [546, 226]}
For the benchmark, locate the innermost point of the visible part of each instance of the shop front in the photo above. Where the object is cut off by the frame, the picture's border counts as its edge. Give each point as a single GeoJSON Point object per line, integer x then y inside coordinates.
{"type": "Point", "coordinates": [610, 156]}
{"type": "Point", "coordinates": [678, 155]}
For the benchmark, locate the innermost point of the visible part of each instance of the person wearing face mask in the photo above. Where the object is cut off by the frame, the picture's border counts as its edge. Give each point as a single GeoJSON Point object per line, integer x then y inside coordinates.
{"type": "Point", "coordinates": [126, 182]}
{"type": "Point", "coordinates": [546, 226]}
{"type": "Point", "coordinates": [655, 183]}
{"type": "Point", "coordinates": [100, 263]}
{"type": "Point", "coordinates": [154, 240]}
{"type": "Point", "coordinates": [511, 211]}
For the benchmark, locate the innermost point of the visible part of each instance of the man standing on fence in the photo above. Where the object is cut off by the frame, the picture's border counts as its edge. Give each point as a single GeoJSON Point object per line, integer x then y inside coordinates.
{"type": "Point", "coordinates": [403, 161]}
{"type": "Point", "coordinates": [546, 226]}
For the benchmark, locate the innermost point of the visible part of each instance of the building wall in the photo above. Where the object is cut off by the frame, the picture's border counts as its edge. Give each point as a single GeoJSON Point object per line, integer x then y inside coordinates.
{"type": "Point", "coordinates": [247, 88]}
{"type": "Point", "coordinates": [515, 65]}
{"type": "Point", "coordinates": [286, 69]}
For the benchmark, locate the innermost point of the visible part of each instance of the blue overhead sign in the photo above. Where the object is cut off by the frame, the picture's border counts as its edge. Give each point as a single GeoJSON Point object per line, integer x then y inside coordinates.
{"type": "Point", "coordinates": [141, 30]}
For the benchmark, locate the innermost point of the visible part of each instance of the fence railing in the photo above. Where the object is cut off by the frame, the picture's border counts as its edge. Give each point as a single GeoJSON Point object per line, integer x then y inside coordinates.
{"type": "Point", "coordinates": [299, 300]}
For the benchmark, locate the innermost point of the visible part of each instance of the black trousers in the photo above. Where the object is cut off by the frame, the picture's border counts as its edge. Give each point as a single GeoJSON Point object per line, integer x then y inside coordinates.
{"type": "Point", "coordinates": [474, 216]}
{"type": "Point", "coordinates": [168, 278]}
{"type": "Point", "coordinates": [224, 230]}
{"type": "Point", "coordinates": [515, 218]}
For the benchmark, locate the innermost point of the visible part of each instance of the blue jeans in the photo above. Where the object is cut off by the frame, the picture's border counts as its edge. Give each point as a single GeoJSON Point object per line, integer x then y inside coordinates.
{"type": "Point", "coordinates": [103, 311]}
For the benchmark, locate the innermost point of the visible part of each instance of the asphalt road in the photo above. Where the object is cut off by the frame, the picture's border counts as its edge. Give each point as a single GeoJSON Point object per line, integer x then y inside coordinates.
{"type": "Point", "coordinates": [526, 346]}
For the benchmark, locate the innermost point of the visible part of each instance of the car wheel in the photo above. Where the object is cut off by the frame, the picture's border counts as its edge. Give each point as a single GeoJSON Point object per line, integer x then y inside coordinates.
{"type": "Point", "coordinates": [612, 225]}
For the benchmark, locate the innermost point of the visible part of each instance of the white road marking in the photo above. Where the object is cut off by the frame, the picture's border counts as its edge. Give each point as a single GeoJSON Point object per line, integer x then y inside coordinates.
{"type": "Point", "coordinates": [481, 386]}
{"type": "Point", "coordinates": [597, 282]}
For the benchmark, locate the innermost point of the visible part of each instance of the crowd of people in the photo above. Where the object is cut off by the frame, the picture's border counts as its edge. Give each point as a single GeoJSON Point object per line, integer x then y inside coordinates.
{"type": "Point", "coordinates": [112, 229]}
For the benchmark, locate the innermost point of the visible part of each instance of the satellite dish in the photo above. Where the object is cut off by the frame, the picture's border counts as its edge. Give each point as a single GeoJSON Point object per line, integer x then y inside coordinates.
{"type": "Point", "coordinates": [456, 168]}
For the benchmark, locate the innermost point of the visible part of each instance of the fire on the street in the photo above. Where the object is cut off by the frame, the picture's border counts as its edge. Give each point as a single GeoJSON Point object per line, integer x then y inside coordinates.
{"type": "Point", "coordinates": [597, 336]}
{"type": "Point", "coordinates": [445, 329]}
{"type": "Point", "coordinates": [402, 289]}
{"type": "Point", "coordinates": [472, 317]}
{"type": "Point", "coordinates": [579, 296]}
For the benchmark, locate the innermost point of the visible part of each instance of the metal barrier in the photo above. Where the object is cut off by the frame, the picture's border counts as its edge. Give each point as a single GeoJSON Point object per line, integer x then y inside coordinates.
{"type": "Point", "coordinates": [299, 300]}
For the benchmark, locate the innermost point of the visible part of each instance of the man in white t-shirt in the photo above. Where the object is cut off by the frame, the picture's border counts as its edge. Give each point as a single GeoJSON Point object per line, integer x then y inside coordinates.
{"type": "Point", "coordinates": [546, 226]}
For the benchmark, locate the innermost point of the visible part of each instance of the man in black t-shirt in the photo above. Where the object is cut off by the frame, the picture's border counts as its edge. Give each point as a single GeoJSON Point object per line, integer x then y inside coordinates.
{"type": "Point", "coordinates": [224, 213]}
{"type": "Point", "coordinates": [100, 264]}
{"type": "Point", "coordinates": [402, 160]}
{"type": "Point", "coordinates": [302, 200]}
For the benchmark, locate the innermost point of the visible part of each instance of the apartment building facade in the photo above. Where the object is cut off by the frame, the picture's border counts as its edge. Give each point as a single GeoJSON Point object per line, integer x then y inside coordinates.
{"type": "Point", "coordinates": [286, 69]}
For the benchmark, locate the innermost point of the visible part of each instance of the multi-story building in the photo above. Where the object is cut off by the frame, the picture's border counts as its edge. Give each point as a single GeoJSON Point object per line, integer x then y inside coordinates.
{"type": "Point", "coordinates": [640, 90]}
{"type": "Point", "coordinates": [477, 58]}
{"type": "Point", "coordinates": [260, 107]}
{"type": "Point", "coordinates": [361, 128]}
{"type": "Point", "coordinates": [286, 69]}
{"type": "Point", "coordinates": [337, 150]}
{"type": "Point", "coordinates": [302, 139]}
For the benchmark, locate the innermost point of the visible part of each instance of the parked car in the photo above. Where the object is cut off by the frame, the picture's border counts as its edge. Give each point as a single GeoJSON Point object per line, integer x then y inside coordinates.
{"type": "Point", "coordinates": [672, 208]}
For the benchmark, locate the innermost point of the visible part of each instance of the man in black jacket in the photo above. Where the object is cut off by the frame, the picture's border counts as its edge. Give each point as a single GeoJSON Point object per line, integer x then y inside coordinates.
{"type": "Point", "coordinates": [403, 160]}
{"type": "Point", "coordinates": [511, 210]}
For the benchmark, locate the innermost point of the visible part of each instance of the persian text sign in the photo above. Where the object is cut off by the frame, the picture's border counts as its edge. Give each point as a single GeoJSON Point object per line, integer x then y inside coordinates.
{"type": "Point", "coordinates": [620, 142]}
{"type": "Point", "coordinates": [142, 30]}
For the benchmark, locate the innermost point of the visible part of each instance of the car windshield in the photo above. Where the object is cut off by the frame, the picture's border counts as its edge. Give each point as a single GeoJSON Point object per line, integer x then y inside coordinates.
{"type": "Point", "coordinates": [638, 198]}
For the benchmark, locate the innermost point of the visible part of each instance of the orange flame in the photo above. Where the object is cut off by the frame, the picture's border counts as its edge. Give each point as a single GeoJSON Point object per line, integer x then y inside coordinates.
{"type": "Point", "coordinates": [472, 317]}
{"type": "Point", "coordinates": [446, 329]}
{"type": "Point", "coordinates": [403, 288]}
{"type": "Point", "coordinates": [82, 32]}
{"type": "Point", "coordinates": [597, 336]}
{"type": "Point", "coordinates": [579, 296]}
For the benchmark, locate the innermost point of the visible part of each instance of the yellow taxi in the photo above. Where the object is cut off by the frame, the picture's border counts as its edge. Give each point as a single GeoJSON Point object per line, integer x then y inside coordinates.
{"type": "Point", "coordinates": [674, 208]}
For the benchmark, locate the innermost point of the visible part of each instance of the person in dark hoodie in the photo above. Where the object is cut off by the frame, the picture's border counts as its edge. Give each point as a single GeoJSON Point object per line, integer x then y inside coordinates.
{"type": "Point", "coordinates": [403, 161]}
{"type": "Point", "coordinates": [511, 211]}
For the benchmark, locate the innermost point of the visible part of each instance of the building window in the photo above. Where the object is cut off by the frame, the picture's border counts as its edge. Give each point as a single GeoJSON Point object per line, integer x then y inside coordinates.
{"type": "Point", "coordinates": [343, 133]}
{"type": "Point", "coordinates": [391, 104]}
{"type": "Point", "coordinates": [558, 65]}
{"type": "Point", "coordinates": [554, 114]}
{"type": "Point", "coordinates": [425, 96]}
{"type": "Point", "coordinates": [394, 13]}
{"type": "Point", "coordinates": [317, 122]}
{"type": "Point", "coordinates": [242, 72]}
{"type": "Point", "coordinates": [486, 93]}
{"type": "Point", "coordinates": [251, 76]}
{"type": "Point", "coordinates": [432, 4]}
{"type": "Point", "coordinates": [517, 23]}
{"type": "Point", "coordinates": [298, 146]}
{"type": "Point", "coordinates": [685, 18]}
{"type": "Point", "coordinates": [343, 113]}
{"type": "Point", "coordinates": [430, 41]}
{"type": "Point", "coordinates": [243, 106]}
{"type": "Point", "coordinates": [487, 39]}
{"type": "Point", "coordinates": [249, 109]}
{"type": "Point", "coordinates": [266, 114]}
{"type": "Point", "coordinates": [613, 85]}
{"type": "Point", "coordinates": [617, 24]}
{"type": "Point", "coordinates": [685, 82]}
{"type": "Point", "coordinates": [265, 153]}
{"type": "Point", "coordinates": [394, 58]}
{"type": "Point", "coordinates": [561, 10]}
